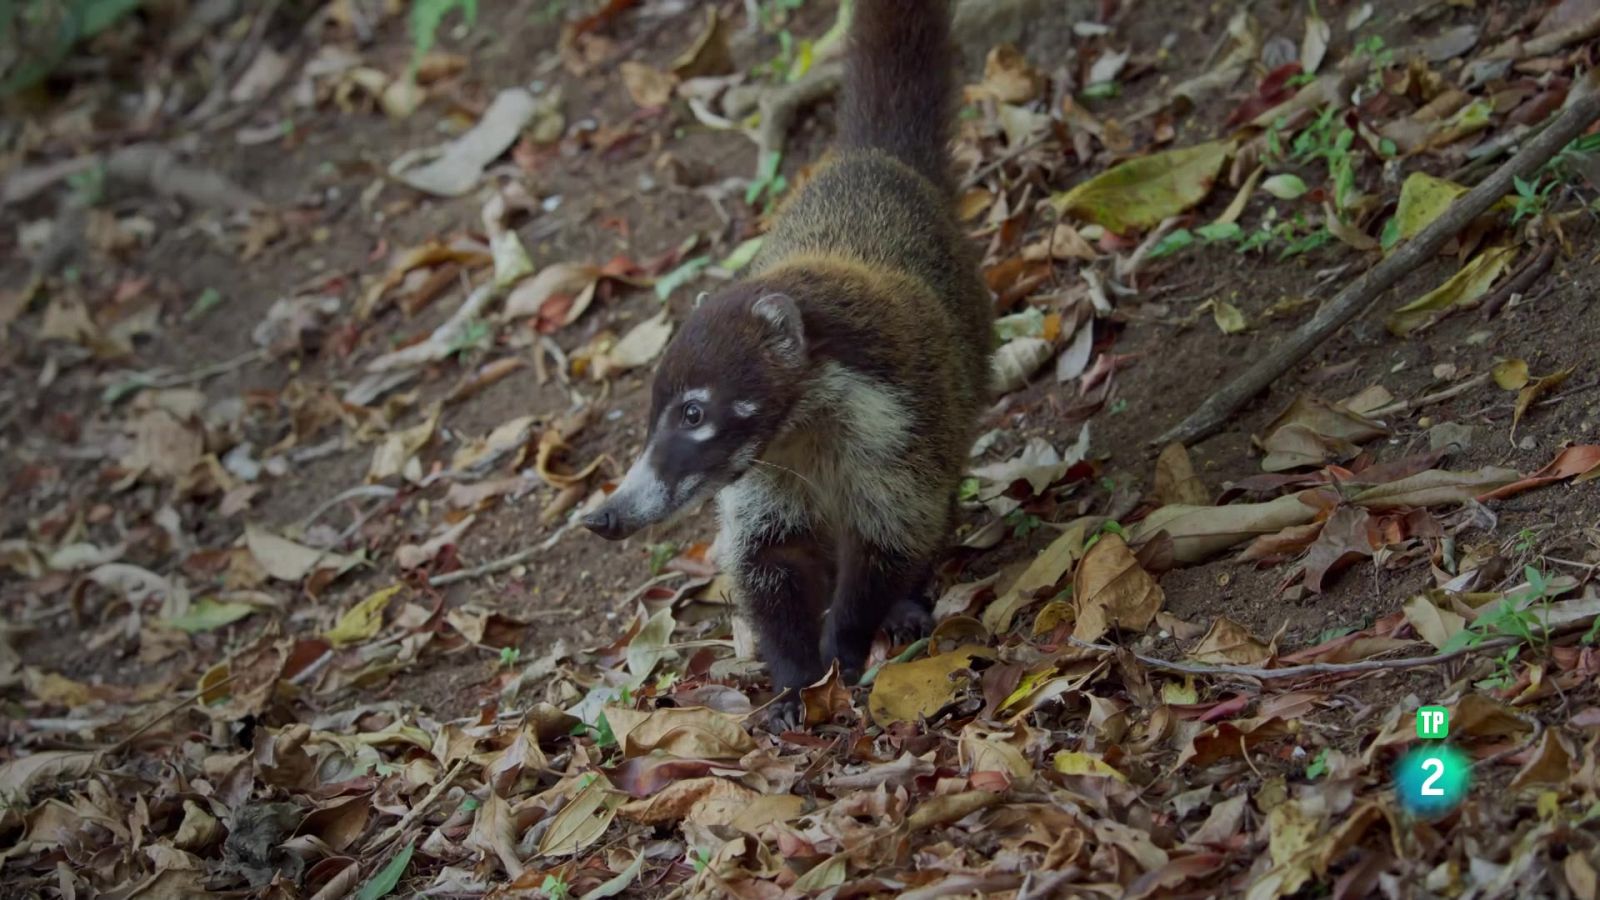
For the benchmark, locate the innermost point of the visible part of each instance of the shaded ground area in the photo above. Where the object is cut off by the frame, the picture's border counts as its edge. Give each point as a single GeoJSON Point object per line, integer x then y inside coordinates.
{"type": "Point", "coordinates": [294, 604]}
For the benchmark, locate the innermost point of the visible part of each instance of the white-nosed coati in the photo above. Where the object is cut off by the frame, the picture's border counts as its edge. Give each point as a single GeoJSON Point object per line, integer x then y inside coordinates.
{"type": "Point", "coordinates": [831, 398]}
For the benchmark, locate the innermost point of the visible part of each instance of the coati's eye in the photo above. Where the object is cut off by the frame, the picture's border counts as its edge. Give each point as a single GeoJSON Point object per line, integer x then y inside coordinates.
{"type": "Point", "coordinates": [693, 415]}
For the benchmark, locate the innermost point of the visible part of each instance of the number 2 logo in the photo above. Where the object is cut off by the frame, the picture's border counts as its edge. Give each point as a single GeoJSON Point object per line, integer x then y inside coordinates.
{"type": "Point", "coordinates": [1435, 765]}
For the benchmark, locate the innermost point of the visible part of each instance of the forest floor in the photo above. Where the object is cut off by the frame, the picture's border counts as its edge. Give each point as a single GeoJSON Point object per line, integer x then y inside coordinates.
{"type": "Point", "coordinates": [295, 426]}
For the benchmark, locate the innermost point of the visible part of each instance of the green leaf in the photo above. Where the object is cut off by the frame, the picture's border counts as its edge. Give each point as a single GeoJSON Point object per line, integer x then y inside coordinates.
{"type": "Point", "coordinates": [680, 276]}
{"type": "Point", "coordinates": [387, 877]}
{"type": "Point", "coordinates": [209, 299]}
{"type": "Point", "coordinates": [1219, 231]}
{"type": "Point", "coordinates": [427, 15]}
{"type": "Point", "coordinates": [1318, 766]}
{"type": "Point", "coordinates": [207, 614]}
{"type": "Point", "coordinates": [1028, 323]}
{"type": "Point", "coordinates": [742, 255]}
{"type": "Point", "coordinates": [1141, 192]}
{"type": "Point", "coordinates": [1172, 243]}
{"type": "Point", "coordinates": [1285, 186]}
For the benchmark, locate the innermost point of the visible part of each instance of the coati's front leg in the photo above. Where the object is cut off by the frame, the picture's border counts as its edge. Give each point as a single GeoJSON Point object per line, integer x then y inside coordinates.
{"type": "Point", "coordinates": [783, 585]}
{"type": "Point", "coordinates": [876, 587]}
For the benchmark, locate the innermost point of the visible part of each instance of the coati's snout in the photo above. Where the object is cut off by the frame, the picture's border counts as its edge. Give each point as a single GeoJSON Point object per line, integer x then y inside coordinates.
{"type": "Point", "coordinates": [723, 389]}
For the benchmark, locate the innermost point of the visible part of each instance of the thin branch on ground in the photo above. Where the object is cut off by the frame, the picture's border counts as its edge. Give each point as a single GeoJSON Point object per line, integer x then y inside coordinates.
{"type": "Point", "coordinates": [503, 563]}
{"type": "Point", "coordinates": [1311, 669]}
{"type": "Point", "coordinates": [1439, 396]}
{"type": "Point", "coordinates": [1520, 282]}
{"type": "Point", "coordinates": [417, 812]}
{"type": "Point", "coordinates": [1353, 300]}
{"type": "Point", "coordinates": [169, 712]}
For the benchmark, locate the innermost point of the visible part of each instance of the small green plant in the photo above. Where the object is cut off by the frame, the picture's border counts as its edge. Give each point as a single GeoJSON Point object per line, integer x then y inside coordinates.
{"type": "Point", "coordinates": [1504, 674]}
{"type": "Point", "coordinates": [555, 888]}
{"type": "Point", "coordinates": [968, 490]}
{"type": "Point", "coordinates": [700, 858]}
{"type": "Point", "coordinates": [1338, 631]}
{"type": "Point", "coordinates": [1382, 57]}
{"type": "Point", "coordinates": [769, 182]}
{"type": "Point", "coordinates": [1119, 406]}
{"type": "Point", "coordinates": [475, 334]}
{"type": "Point", "coordinates": [428, 15]}
{"type": "Point", "coordinates": [1532, 199]}
{"type": "Point", "coordinates": [1510, 616]}
{"type": "Point", "coordinates": [1526, 540]}
{"type": "Point", "coordinates": [37, 35]}
{"type": "Point", "coordinates": [1109, 526]}
{"type": "Point", "coordinates": [660, 555]}
{"type": "Point", "coordinates": [509, 656]}
{"type": "Point", "coordinates": [88, 187]}
{"type": "Point", "coordinates": [1022, 523]}
{"type": "Point", "coordinates": [1318, 766]}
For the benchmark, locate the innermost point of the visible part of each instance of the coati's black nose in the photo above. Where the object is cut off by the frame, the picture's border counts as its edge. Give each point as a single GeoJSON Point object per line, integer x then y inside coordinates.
{"type": "Point", "coordinates": [605, 523]}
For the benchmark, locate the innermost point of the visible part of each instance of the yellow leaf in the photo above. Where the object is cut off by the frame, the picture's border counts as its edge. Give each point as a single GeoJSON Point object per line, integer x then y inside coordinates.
{"type": "Point", "coordinates": [1229, 318]}
{"type": "Point", "coordinates": [1068, 762]}
{"type": "Point", "coordinates": [1045, 570]}
{"type": "Point", "coordinates": [906, 692]}
{"type": "Point", "coordinates": [1511, 374]}
{"type": "Point", "coordinates": [1533, 392]}
{"type": "Point", "coordinates": [1180, 694]}
{"type": "Point", "coordinates": [1469, 284]}
{"type": "Point", "coordinates": [364, 619]}
{"type": "Point", "coordinates": [1423, 198]}
{"type": "Point", "coordinates": [1141, 192]}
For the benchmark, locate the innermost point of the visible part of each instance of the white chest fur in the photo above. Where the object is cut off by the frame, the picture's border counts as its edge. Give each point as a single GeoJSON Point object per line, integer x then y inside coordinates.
{"type": "Point", "coordinates": [842, 465]}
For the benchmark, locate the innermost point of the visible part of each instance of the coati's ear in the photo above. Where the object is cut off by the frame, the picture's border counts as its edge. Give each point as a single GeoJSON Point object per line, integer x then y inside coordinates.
{"type": "Point", "coordinates": [780, 315]}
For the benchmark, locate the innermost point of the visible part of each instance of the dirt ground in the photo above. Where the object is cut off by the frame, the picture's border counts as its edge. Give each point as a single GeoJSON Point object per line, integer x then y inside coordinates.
{"type": "Point", "coordinates": [340, 222]}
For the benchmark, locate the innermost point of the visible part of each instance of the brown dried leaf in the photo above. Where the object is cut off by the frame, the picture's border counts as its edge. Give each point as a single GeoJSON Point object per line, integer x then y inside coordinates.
{"type": "Point", "coordinates": [1111, 590]}
{"type": "Point", "coordinates": [1232, 643]}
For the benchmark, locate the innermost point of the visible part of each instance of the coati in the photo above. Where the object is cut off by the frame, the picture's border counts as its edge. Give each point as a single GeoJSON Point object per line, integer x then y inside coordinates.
{"type": "Point", "coordinates": [831, 398]}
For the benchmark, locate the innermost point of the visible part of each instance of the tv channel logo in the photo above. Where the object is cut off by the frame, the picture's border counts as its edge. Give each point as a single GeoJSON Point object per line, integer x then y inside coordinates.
{"type": "Point", "coordinates": [1432, 779]}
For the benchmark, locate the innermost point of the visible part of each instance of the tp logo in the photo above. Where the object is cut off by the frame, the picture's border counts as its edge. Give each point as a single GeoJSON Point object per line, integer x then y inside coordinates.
{"type": "Point", "coordinates": [1432, 779]}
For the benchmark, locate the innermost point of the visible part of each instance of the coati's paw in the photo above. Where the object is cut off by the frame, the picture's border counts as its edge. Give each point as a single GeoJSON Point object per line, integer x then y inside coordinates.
{"type": "Point", "coordinates": [787, 713]}
{"type": "Point", "coordinates": [908, 621]}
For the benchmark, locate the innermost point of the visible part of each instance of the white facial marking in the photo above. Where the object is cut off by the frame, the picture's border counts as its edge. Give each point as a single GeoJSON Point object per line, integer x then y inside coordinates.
{"type": "Point", "coordinates": [642, 492]}
{"type": "Point", "coordinates": [744, 409]}
{"type": "Point", "coordinates": [698, 395]}
{"type": "Point", "coordinates": [703, 433]}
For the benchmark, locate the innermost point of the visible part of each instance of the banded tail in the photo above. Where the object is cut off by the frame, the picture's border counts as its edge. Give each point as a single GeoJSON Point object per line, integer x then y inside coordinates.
{"type": "Point", "coordinates": [898, 84]}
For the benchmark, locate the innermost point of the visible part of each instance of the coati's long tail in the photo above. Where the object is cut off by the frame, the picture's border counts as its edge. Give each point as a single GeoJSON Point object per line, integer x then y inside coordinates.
{"type": "Point", "coordinates": [898, 89]}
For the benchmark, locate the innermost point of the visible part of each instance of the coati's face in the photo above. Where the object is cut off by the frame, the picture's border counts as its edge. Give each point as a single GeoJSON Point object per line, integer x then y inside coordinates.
{"type": "Point", "coordinates": [724, 388]}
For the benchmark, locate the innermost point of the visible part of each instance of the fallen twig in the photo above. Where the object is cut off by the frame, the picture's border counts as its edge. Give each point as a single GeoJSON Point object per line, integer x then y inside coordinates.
{"type": "Point", "coordinates": [501, 564]}
{"type": "Point", "coordinates": [993, 165]}
{"type": "Point", "coordinates": [1351, 301]}
{"type": "Point", "coordinates": [416, 812]}
{"type": "Point", "coordinates": [1455, 390]}
{"type": "Point", "coordinates": [1309, 669]}
{"type": "Point", "coordinates": [1520, 282]}
{"type": "Point", "coordinates": [169, 712]}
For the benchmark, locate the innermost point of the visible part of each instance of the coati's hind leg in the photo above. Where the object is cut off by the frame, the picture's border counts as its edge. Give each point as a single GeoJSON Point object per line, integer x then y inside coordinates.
{"type": "Point", "coordinates": [872, 584]}
{"type": "Point", "coordinates": [783, 586]}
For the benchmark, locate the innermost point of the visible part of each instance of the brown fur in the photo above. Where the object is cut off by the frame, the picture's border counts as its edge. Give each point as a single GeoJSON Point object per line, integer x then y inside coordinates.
{"type": "Point", "coordinates": [863, 340]}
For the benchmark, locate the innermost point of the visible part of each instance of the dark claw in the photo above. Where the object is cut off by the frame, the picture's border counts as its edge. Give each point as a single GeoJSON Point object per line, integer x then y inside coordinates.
{"type": "Point", "coordinates": [908, 622]}
{"type": "Point", "coordinates": [787, 713]}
